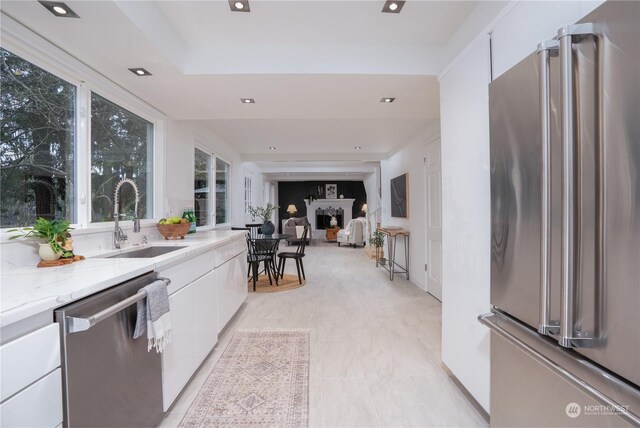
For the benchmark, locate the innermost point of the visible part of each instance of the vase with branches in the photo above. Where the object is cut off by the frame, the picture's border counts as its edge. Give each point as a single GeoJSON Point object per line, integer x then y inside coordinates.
{"type": "Point", "coordinates": [265, 214]}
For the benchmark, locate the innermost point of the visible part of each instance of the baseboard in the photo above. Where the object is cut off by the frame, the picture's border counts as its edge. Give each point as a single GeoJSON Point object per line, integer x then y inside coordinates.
{"type": "Point", "coordinates": [467, 394]}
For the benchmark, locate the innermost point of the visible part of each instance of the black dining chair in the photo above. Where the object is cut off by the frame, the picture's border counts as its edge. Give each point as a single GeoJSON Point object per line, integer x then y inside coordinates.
{"type": "Point", "coordinates": [262, 251]}
{"type": "Point", "coordinates": [254, 229]}
{"type": "Point", "coordinates": [297, 256]}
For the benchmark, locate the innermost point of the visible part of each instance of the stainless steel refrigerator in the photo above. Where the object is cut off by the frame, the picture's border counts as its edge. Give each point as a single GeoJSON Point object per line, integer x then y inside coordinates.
{"type": "Point", "coordinates": [565, 228]}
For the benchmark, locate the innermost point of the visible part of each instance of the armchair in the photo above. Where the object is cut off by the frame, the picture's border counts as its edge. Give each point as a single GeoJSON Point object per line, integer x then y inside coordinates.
{"type": "Point", "coordinates": [353, 234]}
{"type": "Point", "coordinates": [296, 226]}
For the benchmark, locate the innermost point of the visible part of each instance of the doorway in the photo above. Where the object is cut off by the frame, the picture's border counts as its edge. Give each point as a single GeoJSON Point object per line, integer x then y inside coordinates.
{"type": "Point", "coordinates": [433, 219]}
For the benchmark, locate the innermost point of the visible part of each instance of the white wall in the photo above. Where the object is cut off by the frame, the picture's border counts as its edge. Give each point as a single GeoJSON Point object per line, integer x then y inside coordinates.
{"type": "Point", "coordinates": [466, 200]}
{"type": "Point", "coordinates": [409, 159]}
{"type": "Point", "coordinates": [182, 136]}
{"type": "Point", "coordinates": [516, 29]}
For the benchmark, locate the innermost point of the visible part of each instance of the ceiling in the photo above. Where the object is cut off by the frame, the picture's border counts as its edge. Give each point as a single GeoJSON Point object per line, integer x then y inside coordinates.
{"type": "Point", "coordinates": [317, 69]}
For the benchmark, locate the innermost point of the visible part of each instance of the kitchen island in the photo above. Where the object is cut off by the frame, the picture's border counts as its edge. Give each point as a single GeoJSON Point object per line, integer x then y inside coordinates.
{"type": "Point", "coordinates": [208, 286]}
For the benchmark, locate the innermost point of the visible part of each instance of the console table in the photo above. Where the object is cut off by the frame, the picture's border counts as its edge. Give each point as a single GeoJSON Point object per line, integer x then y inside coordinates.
{"type": "Point", "coordinates": [392, 236]}
{"type": "Point", "coordinates": [332, 234]}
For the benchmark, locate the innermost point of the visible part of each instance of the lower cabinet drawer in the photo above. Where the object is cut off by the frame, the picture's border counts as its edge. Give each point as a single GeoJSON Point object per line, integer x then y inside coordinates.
{"type": "Point", "coordinates": [28, 358]}
{"type": "Point", "coordinates": [40, 405]}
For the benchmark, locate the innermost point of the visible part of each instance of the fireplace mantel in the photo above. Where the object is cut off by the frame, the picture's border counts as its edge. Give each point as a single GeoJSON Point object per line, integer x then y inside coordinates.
{"type": "Point", "coordinates": [345, 203]}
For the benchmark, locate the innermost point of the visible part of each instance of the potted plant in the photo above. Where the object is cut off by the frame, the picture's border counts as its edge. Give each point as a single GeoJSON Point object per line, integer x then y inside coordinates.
{"type": "Point", "coordinates": [54, 232]}
{"type": "Point", "coordinates": [377, 241]}
{"type": "Point", "coordinates": [265, 214]}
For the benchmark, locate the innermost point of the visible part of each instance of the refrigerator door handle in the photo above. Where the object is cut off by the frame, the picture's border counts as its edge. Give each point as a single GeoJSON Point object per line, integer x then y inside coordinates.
{"type": "Point", "coordinates": [567, 337]}
{"type": "Point", "coordinates": [546, 50]}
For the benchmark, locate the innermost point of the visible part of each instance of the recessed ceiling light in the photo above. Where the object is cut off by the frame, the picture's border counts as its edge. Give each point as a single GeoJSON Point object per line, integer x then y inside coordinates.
{"type": "Point", "coordinates": [358, 147]}
{"type": "Point", "coordinates": [393, 6]}
{"type": "Point", "coordinates": [272, 148]}
{"type": "Point", "coordinates": [139, 71]}
{"type": "Point", "coordinates": [387, 100]}
{"type": "Point", "coordinates": [239, 5]}
{"type": "Point", "coordinates": [247, 100]}
{"type": "Point", "coordinates": [59, 9]}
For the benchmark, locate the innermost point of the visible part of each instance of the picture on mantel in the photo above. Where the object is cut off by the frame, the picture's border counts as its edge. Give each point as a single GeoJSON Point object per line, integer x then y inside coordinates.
{"type": "Point", "coordinates": [331, 191]}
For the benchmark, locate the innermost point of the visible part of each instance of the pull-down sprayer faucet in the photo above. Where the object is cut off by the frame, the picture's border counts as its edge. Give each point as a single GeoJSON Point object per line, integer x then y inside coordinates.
{"type": "Point", "coordinates": [118, 235]}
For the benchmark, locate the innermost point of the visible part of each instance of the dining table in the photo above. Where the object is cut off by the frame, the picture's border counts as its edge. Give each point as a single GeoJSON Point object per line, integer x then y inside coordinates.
{"type": "Point", "coordinates": [267, 238]}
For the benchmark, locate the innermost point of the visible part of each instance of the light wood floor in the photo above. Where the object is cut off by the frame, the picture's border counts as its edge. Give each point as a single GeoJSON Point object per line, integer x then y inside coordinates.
{"type": "Point", "coordinates": [375, 346]}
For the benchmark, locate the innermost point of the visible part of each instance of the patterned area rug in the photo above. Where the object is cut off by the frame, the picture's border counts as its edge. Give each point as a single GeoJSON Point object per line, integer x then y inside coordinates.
{"type": "Point", "coordinates": [261, 380]}
{"type": "Point", "coordinates": [287, 282]}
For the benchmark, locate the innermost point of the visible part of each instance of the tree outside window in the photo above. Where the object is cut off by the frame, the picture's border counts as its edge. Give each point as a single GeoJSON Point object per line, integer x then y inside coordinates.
{"type": "Point", "coordinates": [37, 143]}
{"type": "Point", "coordinates": [121, 147]}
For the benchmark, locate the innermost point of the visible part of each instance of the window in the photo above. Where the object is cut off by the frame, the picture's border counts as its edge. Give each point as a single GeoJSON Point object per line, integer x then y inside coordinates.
{"type": "Point", "coordinates": [37, 143]}
{"type": "Point", "coordinates": [222, 192]}
{"type": "Point", "coordinates": [248, 192]}
{"type": "Point", "coordinates": [201, 199]}
{"type": "Point", "coordinates": [121, 147]}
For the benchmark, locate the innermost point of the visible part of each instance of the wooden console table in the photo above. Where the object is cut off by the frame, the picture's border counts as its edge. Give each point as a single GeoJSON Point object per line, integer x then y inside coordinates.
{"type": "Point", "coordinates": [392, 236]}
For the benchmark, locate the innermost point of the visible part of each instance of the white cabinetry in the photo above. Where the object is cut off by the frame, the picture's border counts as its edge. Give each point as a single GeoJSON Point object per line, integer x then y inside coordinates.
{"type": "Point", "coordinates": [31, 380]}
{"type": "Point", "coordinates": [232, 288]}
{"type": "Point", "coordinates": [179, 359]}
{"type": "Point", "coordinates": [197, 294]}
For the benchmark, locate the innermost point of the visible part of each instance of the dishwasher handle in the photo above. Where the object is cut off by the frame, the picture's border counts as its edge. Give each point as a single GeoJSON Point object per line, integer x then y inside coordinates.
{"type": "Point", "coordinates": [77, 324]}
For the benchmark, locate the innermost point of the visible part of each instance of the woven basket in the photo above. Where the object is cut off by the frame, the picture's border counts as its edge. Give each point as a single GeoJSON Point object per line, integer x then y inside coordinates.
{"type": "Point", "coordinates": [173, 231]}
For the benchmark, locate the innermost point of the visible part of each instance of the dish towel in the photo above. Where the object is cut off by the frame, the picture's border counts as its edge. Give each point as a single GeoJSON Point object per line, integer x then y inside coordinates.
{"type": "Point", "coordinates": [154, 316]}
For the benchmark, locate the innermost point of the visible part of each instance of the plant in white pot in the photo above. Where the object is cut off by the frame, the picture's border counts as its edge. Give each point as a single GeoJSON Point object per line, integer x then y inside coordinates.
{"type": "Point", "coordinates": [54, 232]}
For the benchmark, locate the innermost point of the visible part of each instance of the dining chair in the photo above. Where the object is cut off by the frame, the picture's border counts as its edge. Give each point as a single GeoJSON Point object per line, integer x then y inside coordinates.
{"type": "Point", "coordinates": [297, 256]}
{"type": "Point", "coordinates": [262, 251]}
{"type": "Point", "coordinates": [254, 229]}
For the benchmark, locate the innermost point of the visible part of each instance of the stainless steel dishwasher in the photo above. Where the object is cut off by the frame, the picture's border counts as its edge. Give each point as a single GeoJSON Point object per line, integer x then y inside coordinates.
{"type": "Point", "coordinates": [109, 378]}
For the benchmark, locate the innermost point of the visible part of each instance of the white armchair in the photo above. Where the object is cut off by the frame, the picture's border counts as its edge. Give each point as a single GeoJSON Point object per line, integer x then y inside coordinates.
{"type": "Point", "coordinates": [353, 234]}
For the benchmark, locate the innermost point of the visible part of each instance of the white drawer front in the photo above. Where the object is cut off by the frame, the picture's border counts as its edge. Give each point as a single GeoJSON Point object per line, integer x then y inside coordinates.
{"type": "Point", "coordinates": [225, 253]}
{"type": "Point", "coordinates": [188, 271]}
{"type": "Point", "coordinates": [40, 405]}
{"type": "Point", "coordinates": [28, 358]}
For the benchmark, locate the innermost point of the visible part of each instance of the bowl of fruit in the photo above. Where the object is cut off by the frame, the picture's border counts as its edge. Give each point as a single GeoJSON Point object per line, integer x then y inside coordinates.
{"type": "Point", "coordinates": [173, 227]}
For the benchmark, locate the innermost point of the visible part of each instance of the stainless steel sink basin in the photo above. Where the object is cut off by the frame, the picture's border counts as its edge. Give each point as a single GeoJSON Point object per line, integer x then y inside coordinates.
{"type": "Point", "coordinates": [145, 253]}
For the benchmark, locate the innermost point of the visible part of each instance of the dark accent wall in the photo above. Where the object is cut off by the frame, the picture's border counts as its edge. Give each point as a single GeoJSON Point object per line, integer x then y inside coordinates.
{"type": "Point", "coordinates": [295, 192]}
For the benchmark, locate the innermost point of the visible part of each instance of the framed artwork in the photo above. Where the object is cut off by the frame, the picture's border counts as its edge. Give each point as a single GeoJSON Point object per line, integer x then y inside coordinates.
{"type": "Point", "coordinates": [331, 191]}
{"type": "Point", "coordinates": [320, 192]}
{"type": "Point", "coordinates": [400, 196]}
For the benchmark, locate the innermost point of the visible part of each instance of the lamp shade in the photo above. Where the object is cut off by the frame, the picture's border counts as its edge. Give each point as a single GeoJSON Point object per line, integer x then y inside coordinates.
{"type": "Point", "coordinates": [364, 208]}
{"type": "Point", "coordinates": [292, 209]}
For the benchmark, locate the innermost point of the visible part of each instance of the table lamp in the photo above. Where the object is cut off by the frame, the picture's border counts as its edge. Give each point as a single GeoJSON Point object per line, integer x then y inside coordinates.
{"type": "Point", "coordinates": [291, 209]}
{"type": "Point", "coordinates": [364, 208]}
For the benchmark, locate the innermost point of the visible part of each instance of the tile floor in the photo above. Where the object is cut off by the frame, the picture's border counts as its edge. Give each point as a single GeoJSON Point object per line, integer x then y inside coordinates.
{"type": "Point", "coordinates": [375, 346]}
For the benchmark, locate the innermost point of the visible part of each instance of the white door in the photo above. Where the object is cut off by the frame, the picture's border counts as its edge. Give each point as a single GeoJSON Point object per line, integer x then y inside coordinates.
{"type": "Point", "coordinates": [433, 187]}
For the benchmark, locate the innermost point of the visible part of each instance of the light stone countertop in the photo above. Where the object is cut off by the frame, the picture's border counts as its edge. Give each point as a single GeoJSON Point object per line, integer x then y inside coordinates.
{"type": "Point", "coordinates": [27, 292]}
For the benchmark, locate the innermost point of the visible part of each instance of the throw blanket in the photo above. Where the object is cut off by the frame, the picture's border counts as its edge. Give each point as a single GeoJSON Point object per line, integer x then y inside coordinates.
{"type": "Point", "coordinates": [154, 316]}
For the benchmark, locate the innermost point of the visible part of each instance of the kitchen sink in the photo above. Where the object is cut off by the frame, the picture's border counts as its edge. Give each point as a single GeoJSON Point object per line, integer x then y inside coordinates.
{"type": "Point", "coordinates": [145, 253]}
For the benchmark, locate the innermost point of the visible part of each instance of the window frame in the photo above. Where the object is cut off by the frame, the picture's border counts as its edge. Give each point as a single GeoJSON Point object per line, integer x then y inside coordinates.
{"type": "Point", "coordinates": [210, 172]}
{"type": "Point", "coordinates": [228, 193]}
{"type": "Point", "coordinates": [24, 43]}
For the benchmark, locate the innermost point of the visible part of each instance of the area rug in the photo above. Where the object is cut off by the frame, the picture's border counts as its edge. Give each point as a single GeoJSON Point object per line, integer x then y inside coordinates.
{"type": "Point", "coordinates": [261, 380]}
{"type": "Point", "coordinates": [288, 282]}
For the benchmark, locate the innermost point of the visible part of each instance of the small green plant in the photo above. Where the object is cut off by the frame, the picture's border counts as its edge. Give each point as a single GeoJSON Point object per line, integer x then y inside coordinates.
{"type": "Point", "coordinates": [52, 231]}
{"type": "Point", "coordinates": [263, 213]}
{"type": "Point", "coordinates": [377, 239]}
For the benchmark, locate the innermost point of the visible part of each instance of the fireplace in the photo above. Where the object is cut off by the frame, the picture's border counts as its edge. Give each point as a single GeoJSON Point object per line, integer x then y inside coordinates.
{"type": "Point", "coordinates": [320, 212]}
{"type": "Point", "coordinates": [323, 217]}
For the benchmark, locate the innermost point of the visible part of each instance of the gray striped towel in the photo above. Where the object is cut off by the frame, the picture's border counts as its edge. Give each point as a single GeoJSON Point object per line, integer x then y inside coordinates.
{"type": "Point", "coordinates": [154, 316]}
